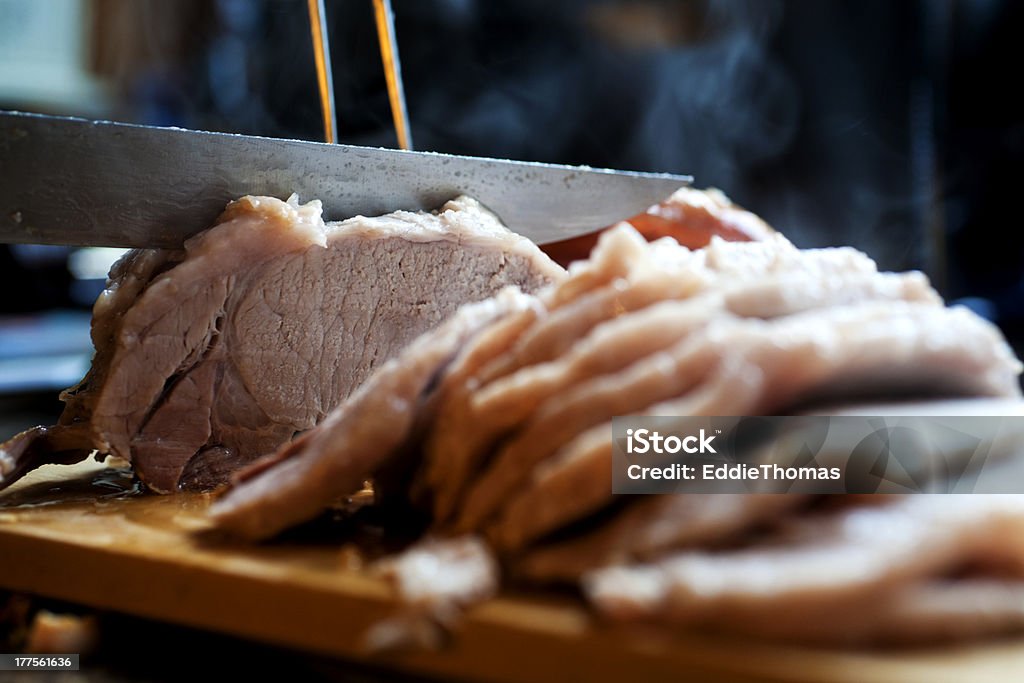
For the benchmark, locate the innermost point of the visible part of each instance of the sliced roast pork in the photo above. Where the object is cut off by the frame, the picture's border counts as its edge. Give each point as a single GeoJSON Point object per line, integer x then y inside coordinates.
{"type": "Point", "coordinates": [628, 338]}
{"type": "Point", "coordinates": [753, 367]}
{"type": "Point", "coordinates": [332, 460]}
{"type": "Point", "coordinates": [610, 327]}
{"type": "Point", "coordinates": [451, 459]}
{"type": "Point", "coordinates": [831, 564]}
{"type": "Point", "coordinates": [780, 327]}
{"type": "Point", "coordinates": [511, 445]}
{"type": "Point", "coordinates": [623, 275]}
{"type": "Point", "coordinates": [717, 340]}
{"type": "Point", "coordinates": [211, 357]}
{"type": "Point", "coordinates": [359, 438]}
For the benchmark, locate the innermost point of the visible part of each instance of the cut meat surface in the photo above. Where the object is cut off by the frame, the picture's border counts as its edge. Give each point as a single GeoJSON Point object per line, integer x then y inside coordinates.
{"type": "Point", "coordinates": [350, 446]}
{"type": "Point", "coordinates": [269, 320]}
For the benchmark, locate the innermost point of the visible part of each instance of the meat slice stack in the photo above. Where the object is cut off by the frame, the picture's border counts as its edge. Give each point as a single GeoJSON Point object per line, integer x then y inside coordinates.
{"type": "Point", "coordinates": [872, 572]}
{"type": "Point", "coordinates": [509, 440]}
{"type": "Point", "coordinates": [212, 356]}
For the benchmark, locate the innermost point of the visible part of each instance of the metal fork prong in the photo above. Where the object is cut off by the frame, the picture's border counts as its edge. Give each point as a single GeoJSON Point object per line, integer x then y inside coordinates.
{"type": "Point", "coordinates": [392, 70]}
{"type": "Point", "coordinates": [322, 57]}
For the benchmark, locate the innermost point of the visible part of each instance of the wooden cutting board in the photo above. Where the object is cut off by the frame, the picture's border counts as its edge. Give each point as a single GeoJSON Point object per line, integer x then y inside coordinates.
{"type": "Point", "coordinates": [72, 533]}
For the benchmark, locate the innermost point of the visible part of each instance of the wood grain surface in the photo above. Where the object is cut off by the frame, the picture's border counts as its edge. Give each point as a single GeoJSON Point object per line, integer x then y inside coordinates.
{"type": "Point", "coordinates": [72, 533]}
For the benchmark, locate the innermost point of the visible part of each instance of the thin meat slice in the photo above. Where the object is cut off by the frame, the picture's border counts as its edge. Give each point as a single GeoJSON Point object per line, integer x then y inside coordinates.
{"type": "Point", "coordinates": [870, 349]}
{"type": "Point", "coordinates": [778, 255]}
{"type": "Point", "coordinates": [615, 255]}
{"type": "Point", "coordinates": [652, 525]}
{"type": "Point", "coordinates": [624, 340]}
{"type": "Point", "coordinates": [558, 332]}
{"type": "Point", "coordinates": [707, 212]}
{"type": "Point", "coordinates": [833, 562]}
{"type": "Point", "coordinates": [690, 217]}
{"type": "Point", "coordinates": [669, 271]}
{"type": "Point", "coordinates": [211, 357]}
{"type": "Point", "coordinates": [483, 422]}
{"type": "Point", "coordinates": [750, 367]}
{"type": "Point", "coordinates": [664, 270]}
{"type": "Point", "coordinates": [358, 438]}
{"type": "Point", "coordinates": [567, 418]}
{"type": "Point", "coordinates": [435, 580]}
{"type": "Point", "coordinates": [448, 463]}
{"type": "Point", "coordinates": [454, 386]}
{"type": "Point", "coordinates": [439, 574]}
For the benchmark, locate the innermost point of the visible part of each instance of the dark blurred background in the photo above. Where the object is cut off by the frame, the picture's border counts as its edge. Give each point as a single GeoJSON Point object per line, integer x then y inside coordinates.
{"type": "Point", "coordinates": [890, 125]}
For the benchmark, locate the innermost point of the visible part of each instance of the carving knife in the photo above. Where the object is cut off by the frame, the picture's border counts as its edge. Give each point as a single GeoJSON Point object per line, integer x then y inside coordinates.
{"type": "Point", "coordinates": [97, 183]}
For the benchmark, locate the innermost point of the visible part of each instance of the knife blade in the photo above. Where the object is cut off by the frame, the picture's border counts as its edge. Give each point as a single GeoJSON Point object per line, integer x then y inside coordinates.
{"type": "Point", "coordinates": [98, 183]}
